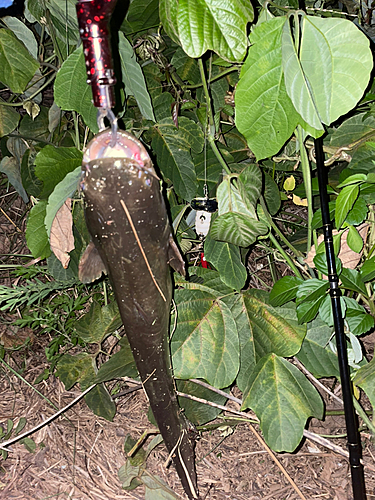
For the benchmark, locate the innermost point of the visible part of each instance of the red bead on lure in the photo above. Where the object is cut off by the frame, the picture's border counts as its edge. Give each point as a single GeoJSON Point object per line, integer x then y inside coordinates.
{"type": "Point", "coordinates": [93, 20]}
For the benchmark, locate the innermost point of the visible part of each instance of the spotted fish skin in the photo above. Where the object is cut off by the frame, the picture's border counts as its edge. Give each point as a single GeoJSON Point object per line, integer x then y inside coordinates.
{"type": "Point", "coordinates": [127, 219]}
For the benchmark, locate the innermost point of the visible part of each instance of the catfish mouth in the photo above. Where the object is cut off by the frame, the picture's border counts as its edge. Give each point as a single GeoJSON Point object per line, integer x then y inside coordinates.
{"type": "Point", "coordinates": [126, 147]}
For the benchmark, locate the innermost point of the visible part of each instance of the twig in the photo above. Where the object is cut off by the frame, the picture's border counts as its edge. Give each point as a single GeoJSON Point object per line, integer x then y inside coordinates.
{"type": "Point", "coordinates": [46, 422]}
{"type": "Point", "coordinates": [263, 444]}
{"type": "Point", "coordinates": [316, 381]}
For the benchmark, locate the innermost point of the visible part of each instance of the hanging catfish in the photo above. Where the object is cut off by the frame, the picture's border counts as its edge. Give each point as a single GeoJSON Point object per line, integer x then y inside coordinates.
{"type": "Point", "coordinates": [127, 219]}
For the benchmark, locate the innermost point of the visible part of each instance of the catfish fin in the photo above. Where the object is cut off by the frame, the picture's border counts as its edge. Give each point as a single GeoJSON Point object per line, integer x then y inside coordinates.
{"type": "Point", "coordinates": [91, 265]}
{"type": "Point", "coordinates": [175, 259]}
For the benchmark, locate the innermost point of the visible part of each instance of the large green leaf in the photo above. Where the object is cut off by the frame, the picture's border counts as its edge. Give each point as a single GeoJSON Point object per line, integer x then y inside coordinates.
{"type": "Point", "coordinates": [53, 164]}
{"type": "Point", "coordinates": [36, 234]}
{"type": "Point", "coordinates": [201, 25]}
{"type": "Point", "coordinates": [352, 280]}
{"type": "Point", "coordinates": [264, 113]}
{"type": "Point", "coordinates": [98, 323]}
{"type": "Point", "coordinates": [133, 78]}
{"type": "Point", "coordinates": [294, 399]}
{"type": "Point", "coordinates": [172, 146]}
{"type": "Point", "coordinates": [71, 90]}
{"type": "Point", "coordinates": [227, 260]}
{"type": "Point", "coordinates": [238, 229]}
{"type": "Point", "coordinates": [250, 183]}
{"type": "Point", "coordinates": [327, 75]}
{"type": "Point", "coordinates": [120, 364]}
{"type": "Point", "coordinates": [64, 18]}
{"type": "Point", "coordinates": [17, 66]}
{"type": "Point", "coordinates": [205, 342]}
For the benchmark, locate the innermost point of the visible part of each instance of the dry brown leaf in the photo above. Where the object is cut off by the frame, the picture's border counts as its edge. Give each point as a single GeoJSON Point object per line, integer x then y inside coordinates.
{"type": "Point", "coordinates": [61, 236]}
{"type": "Point", "coordinates": [348, 258]}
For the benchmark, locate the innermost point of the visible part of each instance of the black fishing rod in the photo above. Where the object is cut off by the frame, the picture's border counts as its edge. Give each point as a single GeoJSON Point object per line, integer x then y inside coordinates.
{"type": "Point", "coordinates": [354, 441]}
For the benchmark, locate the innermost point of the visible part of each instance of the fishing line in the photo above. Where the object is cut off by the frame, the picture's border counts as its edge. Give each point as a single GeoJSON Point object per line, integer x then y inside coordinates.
{"type": "Point", "coordinates": [141, 248]}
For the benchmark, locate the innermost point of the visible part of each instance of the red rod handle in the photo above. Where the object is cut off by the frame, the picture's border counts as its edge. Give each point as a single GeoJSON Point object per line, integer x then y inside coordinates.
{"type": "Point", "coordinates": [93, 21]}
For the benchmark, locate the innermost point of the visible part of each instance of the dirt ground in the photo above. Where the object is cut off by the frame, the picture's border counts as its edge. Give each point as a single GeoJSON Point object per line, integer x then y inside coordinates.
{"type": "Point", "coordinates": [78, 455]}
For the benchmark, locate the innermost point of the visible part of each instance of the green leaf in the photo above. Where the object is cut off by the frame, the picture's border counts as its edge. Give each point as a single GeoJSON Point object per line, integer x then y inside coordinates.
{"type": "Point", "coordinates": [71, 369]}
{"type": "Point", "coordinates": [98, 323]}
{"type": "Point", "coordinates": [37, 127]}
{"type": "Point", "coordinates": [352, 280]}
{"type": "Point", "coordinates": [250, 183]}
{"type": "Point", "coordinates": [172, 147]}
{"type": "Point", "coordinates": [284, 290]}
{"type": "Point", "coordinates": [294, 399]}
{"type": "Point", "coordinates": [30, 181]}
{"type": "Point", "coordinates": [141, 15]}
{"type": "Point", "coordinates": [311, 290]}
{"type": "Point", "coordinates": [358, 321]}
{"type": "Point", "coordinates": [64, 189]}
{"type": "Point", "coordinates": [262, 330]}
{"type": "Point", "coordinates": [36, 234]}
{"type": "Point", "coordinates": [352, 179]}
{"type": "Point", "coordinates": [306, 311]}
{"type": "Point", "coordinates": [265, 114]}
{"type": "Point", "coordinates": [238, 229]}
{"type": "Point", "coordinates": [120, 364]}
{"type": "Point", "coordinates": [23, 33]}
{"type": "Point", "coordinates": [100, 402]}
{"type": "Point", "coordinates": [71, 90]}
{"type": "Point", "coordinates": [227, 260]}
{"type": "Point", "coordinates": [129, 475]}
{"type": "Point", "coordinates": [365, 379]}
{"type": "Point", "coordinates": [199, 413]}
{"type": "Point", "coordinates": [205, 342]}
{"type": "Point", "coordinates": [133, 78]}
{"type": "Point", "coordinates": [271, 194]}
{"type": "Point", "coordinates": [320, 259]}
{"type": "Point", "coordinates": [230, 200]}
{"type": "Point", "coordinates": [353, 129]}
{"type": "Point", "coordinates": [29, 444]}
{"type": "Point", "coordinates": [368, 270]}
{"type": "Point", "coordinates": [9, 165]}
{"type": "Point", "coordinates": [9, 119]}
{"type": "Point", "coordinates": [201, 25]}
{"type": "Point", "coordinates": [17, 66]}
{"type": "Point", "coordinates": [157, 489]}
{"type": "Point", "coordinates": [345, 202]}
{"type": "Point", "coordinates": [354, 240]}
{"type": "Point", "coordinates": [314, 353]}
{"type": "Point", "coordinates": [320, 79]}
{"type": "Point", "coordinates": [325, 309]}
{"type": "Point", "coordinates": [358, 213]}
{"type": "Point", "coordinates": [53, 164]}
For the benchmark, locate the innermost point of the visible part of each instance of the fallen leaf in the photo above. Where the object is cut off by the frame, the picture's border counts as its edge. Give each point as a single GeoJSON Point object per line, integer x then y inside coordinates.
{"type": "Point", "coordinates": [61, 235]}
{"type": "Point", "coordinates": [302, 202]}
{"type": "Point", "coordinates": [348, 258]}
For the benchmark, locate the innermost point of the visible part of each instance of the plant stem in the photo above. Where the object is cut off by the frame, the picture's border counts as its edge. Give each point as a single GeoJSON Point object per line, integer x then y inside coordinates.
{"type": "Point", "coordinates": [363, 416]}
{"type": "Point", "coordinates": [285, 255]}
{"type": "Point", "coordinates": [211, 132]}
{"type": "Point", "coordinates": [305, 164]}
{"type": "Point", "coordinates": [76, 128]}
{"type": "Point", "coordinates": [214, 78]}
{"type": "Point", "coordinates": [276, 229]}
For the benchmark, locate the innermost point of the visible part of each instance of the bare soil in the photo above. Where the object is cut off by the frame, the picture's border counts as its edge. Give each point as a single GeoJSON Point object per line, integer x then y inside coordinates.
{"type": "Point", "coordinates": [78, 455]}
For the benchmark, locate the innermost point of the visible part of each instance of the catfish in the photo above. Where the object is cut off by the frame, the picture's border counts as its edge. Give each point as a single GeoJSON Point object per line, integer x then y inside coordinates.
{"type": "Point", "coordinates": [131, 241]}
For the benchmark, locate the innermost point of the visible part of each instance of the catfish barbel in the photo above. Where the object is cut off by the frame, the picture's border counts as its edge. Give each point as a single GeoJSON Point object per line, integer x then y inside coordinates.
{"type": "Point", "coordinates": [132, 242]}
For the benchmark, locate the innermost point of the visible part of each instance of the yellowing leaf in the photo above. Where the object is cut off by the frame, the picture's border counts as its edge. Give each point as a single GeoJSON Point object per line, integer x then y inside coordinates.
{"type": "Point", "coordinates": [299, 201]}
{"type": "Point", "coordinates": [289, 183]}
